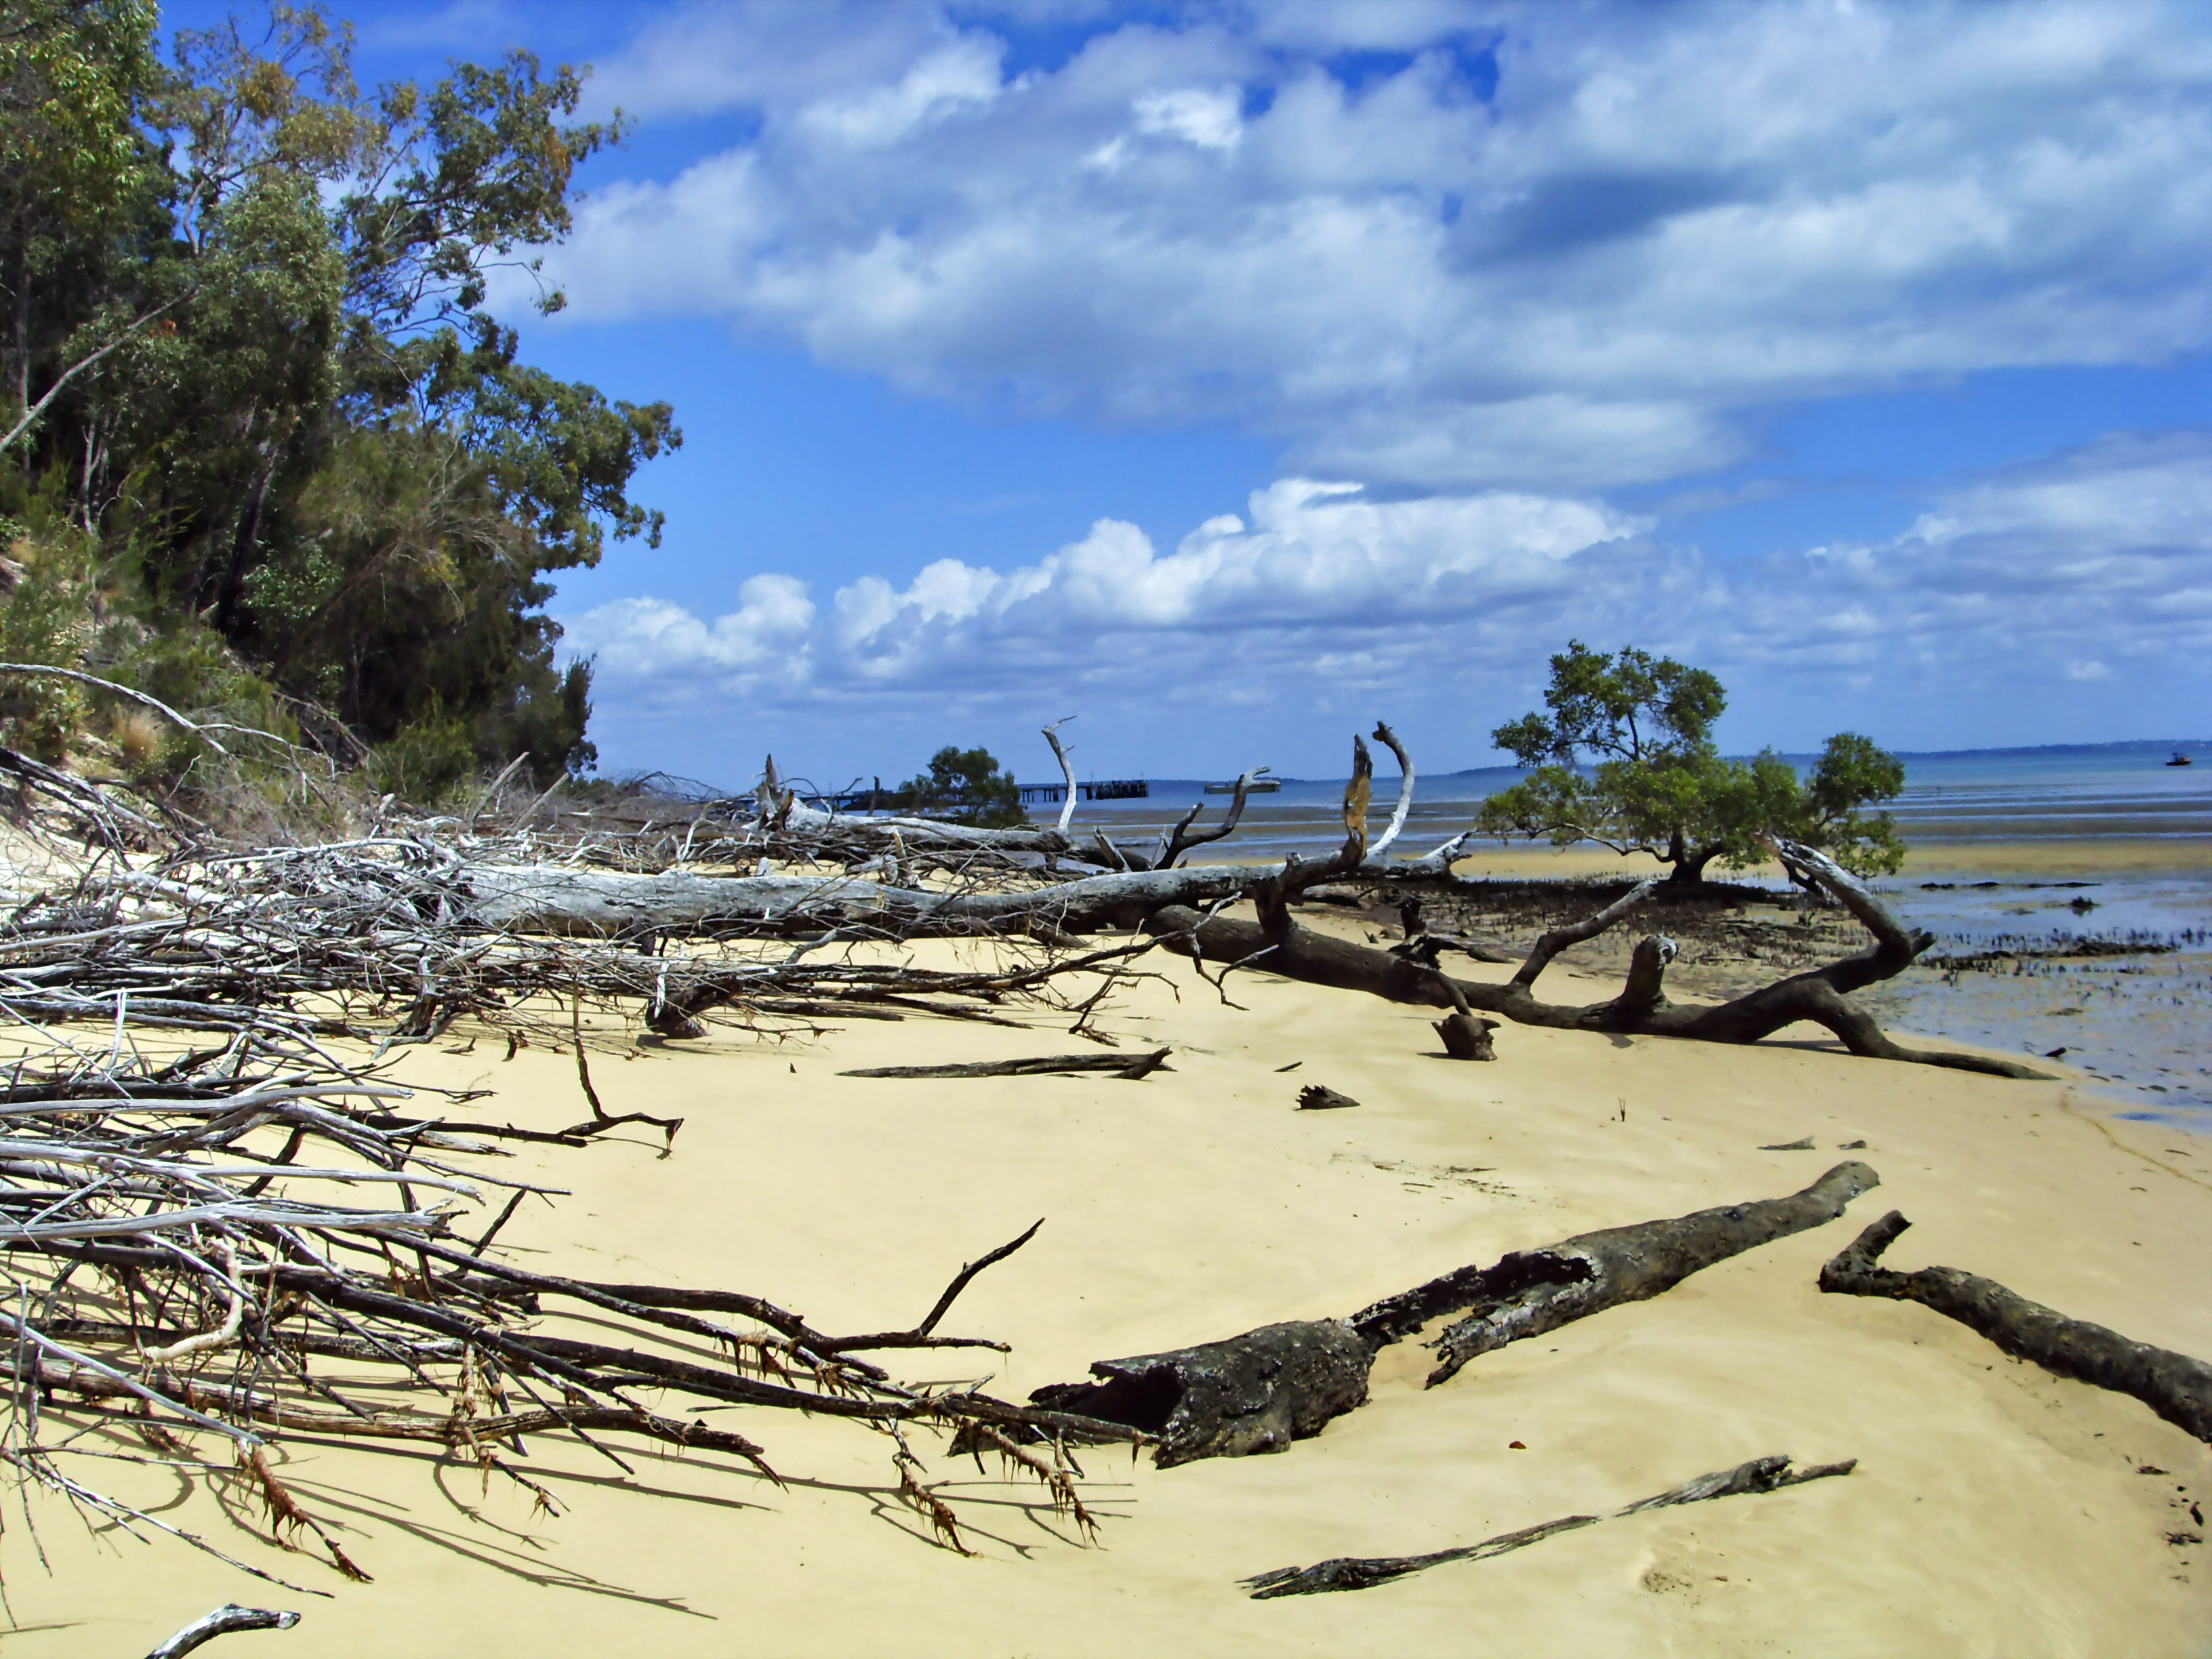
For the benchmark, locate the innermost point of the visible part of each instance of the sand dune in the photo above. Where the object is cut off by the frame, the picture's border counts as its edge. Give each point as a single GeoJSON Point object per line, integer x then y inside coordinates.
{"type": "Point", "coordinates": [1995, 1511]}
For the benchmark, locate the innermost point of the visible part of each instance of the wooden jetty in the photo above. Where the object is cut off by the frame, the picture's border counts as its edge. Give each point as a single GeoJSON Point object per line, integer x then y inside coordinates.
{"type": "Point", "coordinates": [1048, 794]}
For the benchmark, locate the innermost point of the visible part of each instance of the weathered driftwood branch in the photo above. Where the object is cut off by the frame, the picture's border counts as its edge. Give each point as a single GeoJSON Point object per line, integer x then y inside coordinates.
{"type": "Point", "coordinates": [1558, 938]}
{"type": "Point", "coordinates": [1180, 840]}
{"type": "Point", "coordinates": [1391, 830]}
{"type": "Point", "coordinates": [1261, 1390]}
{"type": "Point", "coordinates": [1819, 996]}
{"type": "Point", "coordinates": [2175, 1386]}
{"type": "Point", "coordinates": [221, 1622]}
{"type": "Point", "coordinates": [1132, 1067]}
{"type": "Point", "coordinates": [1431, 867]}
{"type": "Point", "coordinates": [564, 898]}
{"type": "Point", "coordinates": [1761, 1474]}
{"type": "Point", "coordinates": [1424, 945]}
{"type": "Point", "coordinates": [1067, 771]}
{"type": "Point", "coordinates": [1528, 1292]}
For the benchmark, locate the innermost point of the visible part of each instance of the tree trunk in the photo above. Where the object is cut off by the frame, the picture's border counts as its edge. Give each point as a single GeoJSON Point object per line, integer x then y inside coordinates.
{"type": "Point", "coordinates": [244, 544]}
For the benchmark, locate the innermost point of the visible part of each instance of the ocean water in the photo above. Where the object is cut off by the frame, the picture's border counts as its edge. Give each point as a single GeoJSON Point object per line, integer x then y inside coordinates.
{"type": "Point", "coordinates": [2102, 791]}
{"type": "Point", "coordinates": [2133, 834]}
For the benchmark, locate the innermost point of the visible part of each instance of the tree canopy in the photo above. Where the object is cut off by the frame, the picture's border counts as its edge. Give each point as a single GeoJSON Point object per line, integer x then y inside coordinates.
{"type": "Point", "coordinates": [966, 786]}
{"type": "Point", "coordinates": [1622, 754]}
{"type": "Point", "coordinates": [255, 388]}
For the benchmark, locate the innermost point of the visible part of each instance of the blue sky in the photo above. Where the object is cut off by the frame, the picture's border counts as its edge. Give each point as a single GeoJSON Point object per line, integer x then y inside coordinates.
{"type": "Point", "coordinates": [1230, 375]}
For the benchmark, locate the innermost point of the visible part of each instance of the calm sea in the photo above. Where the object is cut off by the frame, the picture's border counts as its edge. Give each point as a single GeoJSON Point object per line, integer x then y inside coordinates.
{"type": "Point", "coordinates": [2098, 792]}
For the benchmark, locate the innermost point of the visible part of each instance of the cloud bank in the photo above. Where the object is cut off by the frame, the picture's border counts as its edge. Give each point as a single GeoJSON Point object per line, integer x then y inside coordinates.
{"type": "Point", "coordinates": [1437, 246]}
{"type": "Point", "coordinates": [2081, 581]}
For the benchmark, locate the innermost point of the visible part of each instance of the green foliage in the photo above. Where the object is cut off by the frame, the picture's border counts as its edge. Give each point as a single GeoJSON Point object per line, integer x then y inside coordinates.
{"type": "Point", "coordinates": [42, 620]}
{"type": "Point", "coordinates": [313, 439]}
{"type": "Point", "coordinates": [425, 761]}
{"type": "Point", "coordinates": [966, 786]}
{"type": "Point", "coordinates": [1851, 773]}
{"type": "Point", "coordinates": [1624, 758]}
{"type": "Point", "coordinates": [1631, 707]}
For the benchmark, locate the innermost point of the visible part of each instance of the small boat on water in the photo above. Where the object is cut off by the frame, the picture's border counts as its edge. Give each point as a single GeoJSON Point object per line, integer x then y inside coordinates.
{"type": "Point", "coordinates": [2179, 759]}
{"type": "Point", "coordinates": [1257, 786]}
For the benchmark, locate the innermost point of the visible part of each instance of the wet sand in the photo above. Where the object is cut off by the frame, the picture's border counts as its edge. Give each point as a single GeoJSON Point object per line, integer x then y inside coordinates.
{"type": "Point", "coordinates": [1995, 1510]}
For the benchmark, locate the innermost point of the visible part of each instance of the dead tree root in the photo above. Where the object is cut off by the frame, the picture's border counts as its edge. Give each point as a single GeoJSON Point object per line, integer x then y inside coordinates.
{"type": "Point", "coordinates": [2177, 1387]}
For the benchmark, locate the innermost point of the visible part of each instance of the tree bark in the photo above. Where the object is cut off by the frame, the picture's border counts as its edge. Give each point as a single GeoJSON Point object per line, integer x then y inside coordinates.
{"type": "Point", "coordinates": [2177, 1387]}
{"type": "Point", "coordinates": [1261, 1390]}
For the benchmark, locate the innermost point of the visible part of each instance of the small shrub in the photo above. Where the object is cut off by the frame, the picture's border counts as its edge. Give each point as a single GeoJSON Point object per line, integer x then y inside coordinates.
{"type": "Point", "coordinates": [425, 762]}
{"type": "Point", "coordinates": [44, 618]}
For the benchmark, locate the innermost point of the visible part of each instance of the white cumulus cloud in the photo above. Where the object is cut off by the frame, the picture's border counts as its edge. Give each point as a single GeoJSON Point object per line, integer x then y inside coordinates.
{"type": "Point", "coordinates": [1539, 246]}
{"type": "Point", "coordinates": [2082, 582]}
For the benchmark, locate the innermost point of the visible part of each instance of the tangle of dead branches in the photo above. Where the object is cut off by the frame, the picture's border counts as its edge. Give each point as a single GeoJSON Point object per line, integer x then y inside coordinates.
{"type": "Point", "coordinates": [228, 1225]}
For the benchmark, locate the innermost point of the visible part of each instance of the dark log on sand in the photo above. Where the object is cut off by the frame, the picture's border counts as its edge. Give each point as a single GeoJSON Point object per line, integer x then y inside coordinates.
{"type": "Point", "coordinates": [1466, 1037]}
{"type": "Point", "coordinates": [1364, 1572]}
{"type": "Point", "coordinates": [1259, 1391]}
{"type": "Point", "coordinates": [2177, 1387]}
{"type": "Point", "coordinates": [1528, 1292]}
{"type": "Point", "coordinates": [1253, 1393]}
{"type": "Point", "coordinates": [1132, 1067]}
{"type": "Point", "coordinates": [1818, 996]}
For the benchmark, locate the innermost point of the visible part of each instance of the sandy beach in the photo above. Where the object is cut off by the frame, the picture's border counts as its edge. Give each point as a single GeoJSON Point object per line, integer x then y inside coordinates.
{"type": "Point", "coordinates": [1995, 1510]}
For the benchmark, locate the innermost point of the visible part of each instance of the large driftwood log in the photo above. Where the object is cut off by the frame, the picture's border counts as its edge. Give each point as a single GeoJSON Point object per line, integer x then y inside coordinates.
{"type": "Point", "coordinates": [1818, 996]}
{"type": "Point", "coordinates": [2177, 1387]}
{"type": "Point", "coordinates": [1259, 1391]}
{"type": "Point", "coordinates": [1347, 1572]}
{"type": "Point", "coordinates": [1528, 1292]}
{"type": "Point", "coordinates": [566, 899]}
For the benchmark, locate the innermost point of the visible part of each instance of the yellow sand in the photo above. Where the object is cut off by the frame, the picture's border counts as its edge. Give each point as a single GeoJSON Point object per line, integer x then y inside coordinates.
{"type": "Point", "coordinates": [1994, 1511]}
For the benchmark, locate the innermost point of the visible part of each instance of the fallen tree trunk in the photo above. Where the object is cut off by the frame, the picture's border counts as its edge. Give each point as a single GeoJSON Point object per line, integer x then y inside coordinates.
{"type": "Point", "coordinates": [1350, 1572]}
{"type": "Point", "coordinates": [555, 898]}
{"type": "Point", "coordinates": [2177, 1387]}
{"type": "Point", "coordinates": [1529, 1292]}
{"type": "Point", "coordinates": [1261, 1390]}
{"type": "Point", "coordinates": [1278, 944]}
